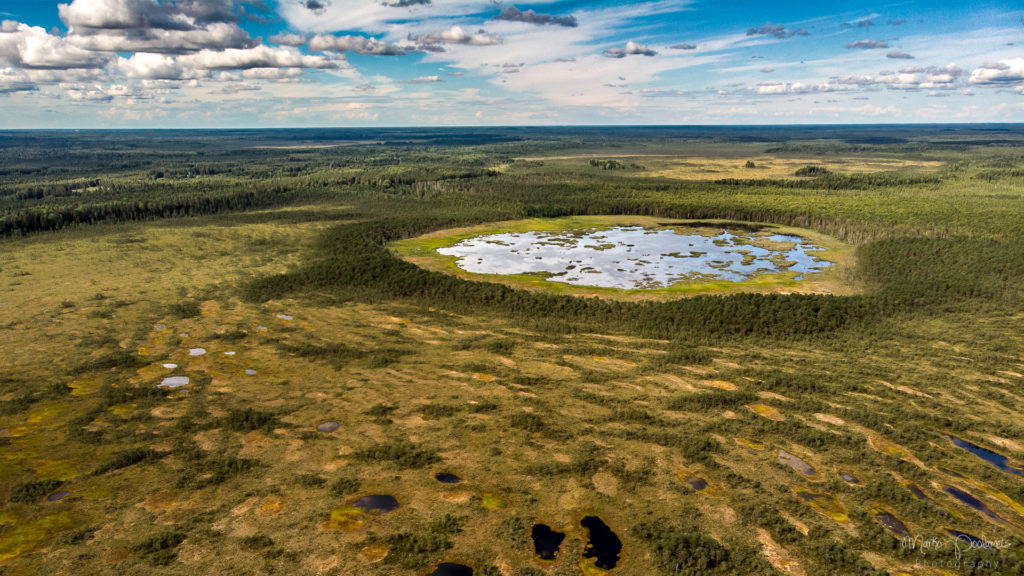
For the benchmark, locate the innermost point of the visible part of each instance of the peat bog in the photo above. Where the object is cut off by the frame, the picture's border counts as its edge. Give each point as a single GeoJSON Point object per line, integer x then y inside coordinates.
{"type": "Point", "coordinates": [226, 360]}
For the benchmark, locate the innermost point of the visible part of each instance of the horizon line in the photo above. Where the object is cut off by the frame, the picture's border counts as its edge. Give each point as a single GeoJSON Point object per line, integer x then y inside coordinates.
{"type": "Point", "coordinates": [516, 126]}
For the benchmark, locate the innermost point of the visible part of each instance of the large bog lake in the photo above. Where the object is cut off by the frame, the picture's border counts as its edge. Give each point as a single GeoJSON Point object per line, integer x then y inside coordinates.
{"type": "Point", "coordinates": [637, 257]}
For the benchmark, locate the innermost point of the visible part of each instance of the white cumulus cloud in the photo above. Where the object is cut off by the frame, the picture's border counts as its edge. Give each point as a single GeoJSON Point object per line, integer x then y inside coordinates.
{"type": "Point", "coordinates": [1001, 72]}
{"type": "Point", "coordinates": [27, 46]}
{"type": "Point", "coordinates": [458, 35]}
{"type": "Point", "coordinates": [288, 39]}
{"type": "Point", "coordinates": [262, 60]}
{"type": "Point", "coordinates": [13, 80]}
{"type": "Point", "coordinates": [357, 44]}
{"type": "Point", "coordinates": [630, 49]}
{"type": "Point", "coordinates": [166, 26]}
{"type": "Point", "coordinates": [152, 66]}
{"type": "Point", "coordinates": [256, 57]}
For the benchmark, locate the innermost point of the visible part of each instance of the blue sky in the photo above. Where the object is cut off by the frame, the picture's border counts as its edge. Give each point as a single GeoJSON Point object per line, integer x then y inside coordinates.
{"type": "Point", "coordinates": [270, 63]}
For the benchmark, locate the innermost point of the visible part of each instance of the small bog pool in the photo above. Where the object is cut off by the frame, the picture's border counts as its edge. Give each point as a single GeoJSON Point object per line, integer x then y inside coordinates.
{"type": "Point", "coordinates": [637, 257]}
{"type": "Point", "coordinates": [546, 542]}
{"type": "Point", "coordinates": [994, 458]}
{"type": "Point", "coordinates": [603, 546]}
{"type": "Point", "coordinates": [377, 503]}
{"type": "Point", "coordinates": [451, 569]}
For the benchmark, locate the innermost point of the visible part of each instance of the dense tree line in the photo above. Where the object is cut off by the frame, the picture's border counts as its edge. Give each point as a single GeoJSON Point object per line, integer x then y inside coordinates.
{"type": "Point", "coordinates": [822, 179]}
{"type": "Point", "coordinates": [353, 260]}
{"type": "Point", "coordinates": [903, 274]}
{"type": "Point", "coordinates": [56, 218]}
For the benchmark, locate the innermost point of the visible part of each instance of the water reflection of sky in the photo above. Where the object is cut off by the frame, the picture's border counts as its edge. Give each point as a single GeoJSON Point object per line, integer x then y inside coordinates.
{"type": "Point", "coordinates": [631, 256]}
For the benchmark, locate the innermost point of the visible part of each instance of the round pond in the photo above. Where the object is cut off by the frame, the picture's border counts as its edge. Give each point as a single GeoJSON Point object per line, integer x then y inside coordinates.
{"type": "Point", "coordinates": [636, 255]}
{"type": "Point", "coordinates": [631, 257]}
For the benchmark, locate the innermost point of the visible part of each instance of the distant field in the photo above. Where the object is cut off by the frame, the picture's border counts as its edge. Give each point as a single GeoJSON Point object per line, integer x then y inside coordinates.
{"type": "Point", "coordinates": [331, 355]}
{"type": "Point", "coordinates": [714, 168]}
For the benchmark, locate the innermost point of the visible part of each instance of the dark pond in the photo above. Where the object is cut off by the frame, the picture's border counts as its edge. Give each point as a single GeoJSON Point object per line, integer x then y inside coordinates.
{"type": "Point", "coordinates": [971, 501]}
{"type": "Point", "coordinates": [696, 482]}
{"type": "Point", "coordinates": [917, 492]}
{"type": "Point", "coordinates": [893, 523]}
{"type": "Point", "coordinates": [546, 541]}
{"type": "Point", "coordinates": [59, 495]}
{"type": "Point", "coordinates": [451, 569]}
{"type": "Point", "coordinates": [974, 541]}
{"type": "Point", "coordinates": [327, 427]}
{"type": "Point", "coordinates": [603, 545]}
{"type": "Point", "coordinates": [950, 472]}
{"type": "Point", "coordinates": [993, 458]}
{"type": "Point", "coordinates": [376, 503]}
{"type": "Point", "coordinates": [796, 463]}
{"type": "Point", "coordinates": [446, 478]}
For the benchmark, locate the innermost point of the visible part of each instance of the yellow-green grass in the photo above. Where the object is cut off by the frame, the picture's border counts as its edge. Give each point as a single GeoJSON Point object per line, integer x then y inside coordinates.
{"type": "Point", "coordinates": [824, 503]}
{"type": "Point", "coordinates": [57, 289]}
{"type": "Point", "coordinates": [836, 279]}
